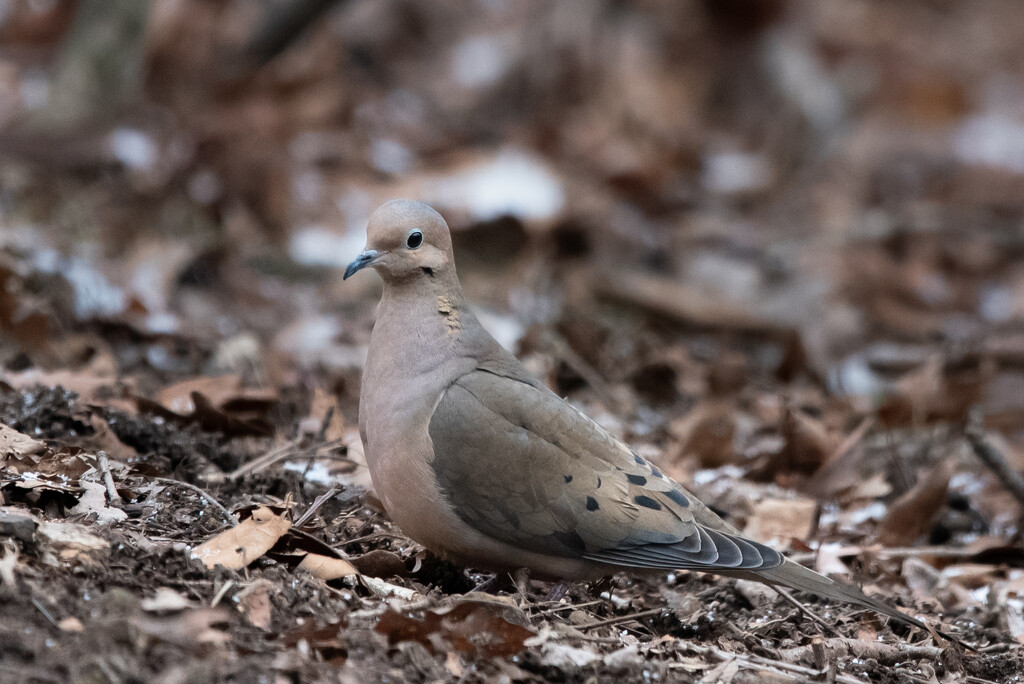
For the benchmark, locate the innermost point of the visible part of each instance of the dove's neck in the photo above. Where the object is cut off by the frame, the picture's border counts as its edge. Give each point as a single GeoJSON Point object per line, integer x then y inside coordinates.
{"type": "Point", "coordinates": [425, 333]}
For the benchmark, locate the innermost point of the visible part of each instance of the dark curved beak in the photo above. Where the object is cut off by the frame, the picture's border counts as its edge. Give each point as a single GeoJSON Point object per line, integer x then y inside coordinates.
{"type": "Point", "coordinates": [365, 258]}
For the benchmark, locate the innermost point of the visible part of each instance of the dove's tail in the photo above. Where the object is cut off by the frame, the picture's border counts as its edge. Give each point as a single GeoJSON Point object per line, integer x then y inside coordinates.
{"type": "Point", "coordinates": [796, 576]}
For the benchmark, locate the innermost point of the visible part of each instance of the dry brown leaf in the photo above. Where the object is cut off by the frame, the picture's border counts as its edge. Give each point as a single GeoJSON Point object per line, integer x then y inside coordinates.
{"type": "Point", "coordinates": [809, 443]}
{"type": "Point", "coordinates": [70, 542]}
{"type": "Point", "coordinates": [971, 575]}
{"type": "Point", "coordinates": [164, 599]}
{"type": "Point", "coordinates": [92, 385]}
{"type": "Point", "coordinates": [14, 443]}
{"type": "Point", "coordinates": [470, 627]}
{"type": "Point", "coordinates": [254, 601]}
{"type": "Point", "coordinates": [875, 487]}
{"type": "Point", "coordinates": [325, 641]}
{"type": "Point", "coordinates": [782, 519]}
{"type": "Point", "coordinates": [71, 624]}
{"type": "Point", "coordinates": [197, 629]}
{"type": "Point", "coordinates": [326, 567]}
{"type": "Point", "coordinates": [104, 439]}
{"type": "Point", "coordinates": [224, 392]}
{"type": "Point", "coordinates": [380, 563]}
{"type": "Point", "coordinates": [17, 522]}
{"type": "Point", "coordinates": [707, 431]}
{"type": "Point", "coordinates": [911, 515]}
{"type": "Point", "coordinates": [322, 403]}
{"type": "Point", "coordinates": [235, 548]}
{"type": "Point", "coordinates": [839, 471]}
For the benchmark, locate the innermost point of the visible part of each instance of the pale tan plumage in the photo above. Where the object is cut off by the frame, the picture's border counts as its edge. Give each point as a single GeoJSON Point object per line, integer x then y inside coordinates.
{"type": "Point", "coordinates": [483, 464]}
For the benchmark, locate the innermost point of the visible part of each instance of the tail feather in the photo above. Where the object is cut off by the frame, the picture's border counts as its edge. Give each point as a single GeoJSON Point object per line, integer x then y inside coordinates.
{"type": "Point", "coordinates": [796, 576]}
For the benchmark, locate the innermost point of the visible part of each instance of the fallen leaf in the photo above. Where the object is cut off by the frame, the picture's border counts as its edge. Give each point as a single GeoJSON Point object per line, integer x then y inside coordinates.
{"type": "Point", "coordinates": [470, 627]}
{"type": "Point", "coordinates": [326, 567]}
{"type": "Point", "coordinates": [453, 664]}
{"type": "Point", "coordinates": [70, 542]}
{"type": "Point", "coordinates": [238, 546]}
{"type": "Point", "coordinates": [104, 439]}
{"type": "Point", "coordinates": [782, 519]}
{"type": "Point", "coordinates": [707, 432]}
{"type": "Point", "coordinates": [911, 515]}
{"type": "Point", "coordinates": [220, 391]}
{"type": "Point", "coordinates": [565, 657]}
{"type": "Point", "coordinates": [71, 624]}
{"type": "Point", "coordinates": [216, 404]}
{"type": "Point", "coordinates": [17, 522]}
{"type": "Point", "coordinates": [14, 443]}
{"type": "Point", "coordinates": [254, 602]}
{"type": "Point", "coordinates": [8, 562]}
{"type": "Point", "coordinates": [808, 443]}
{"type": "Point", "coordinates": [1015, 619]}
{"type": "Point", "coordinates": [197, 629]}
{"type": "Point", "coordinates": [380, 563]}
{"type": "Point", "coordinates": [164, 600]}
{"type": "Point", "coordinates": [323, 403]}
{"type": "Point", "coordinates": [94, 501]}
{"type": "Point", "coordinates": [326, 641]}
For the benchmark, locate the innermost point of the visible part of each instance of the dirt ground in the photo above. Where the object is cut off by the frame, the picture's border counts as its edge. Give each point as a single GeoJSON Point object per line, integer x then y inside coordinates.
{"type": "Point", "coordinates": [774, 245]}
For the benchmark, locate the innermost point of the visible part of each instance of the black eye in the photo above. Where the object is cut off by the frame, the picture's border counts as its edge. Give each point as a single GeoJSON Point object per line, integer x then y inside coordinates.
{"type": "Point", "coordinates": [414, 240]}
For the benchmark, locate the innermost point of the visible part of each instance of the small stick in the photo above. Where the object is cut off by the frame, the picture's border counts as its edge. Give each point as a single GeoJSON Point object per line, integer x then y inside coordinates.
{"type": "Point", "coordinates": [814, 617]}
{"type": "Point", "coordinates": [108, 479]}
{"type": "Point", "coordinates": [623, 618]}
{"type": "Point", "coordinates": [321, 434]}
{"type": "Point", "coordinates": [315, 506]}
{"type": "Point", "coordinates": [220, 593]}
{"type": "Point", "coordinates": [996, 462]}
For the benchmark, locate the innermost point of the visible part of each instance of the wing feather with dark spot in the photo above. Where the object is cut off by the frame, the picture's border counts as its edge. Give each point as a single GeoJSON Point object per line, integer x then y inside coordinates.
{"type": "Point", "coordinates": [493, 434]}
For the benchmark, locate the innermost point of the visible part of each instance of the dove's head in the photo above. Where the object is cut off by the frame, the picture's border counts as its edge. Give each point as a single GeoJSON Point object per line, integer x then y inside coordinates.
{"type": "Point", "coordinates": [406, 240]}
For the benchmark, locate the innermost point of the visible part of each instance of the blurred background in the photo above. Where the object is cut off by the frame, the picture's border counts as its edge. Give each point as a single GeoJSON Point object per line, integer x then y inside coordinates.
{"type": "Point", "coordinates": [736, 231]}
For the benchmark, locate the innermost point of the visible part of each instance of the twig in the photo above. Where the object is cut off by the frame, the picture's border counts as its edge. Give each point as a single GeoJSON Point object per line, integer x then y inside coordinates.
{"type": "Point", "coordinates": [282, 453]}
{"type": "Point", "coordinates": [220, 593]}
{"type": "Point", "coordinates": [567, 606]}
{"type": "Point", "coordinates": [996, 462]}
{"type": "Point", "coordinates": [623, 618]}
{"type": "Point", "coordinates": [755, 662]}
{"type": "Point", "coordinates": [232, 519]}
{"type": "Point", "coordinates": [321, 434]}
{"type": "Point", "coordinates": [814, 617]}
{"type": "Point", "coordinates": [46, 613]}
{"type": "Point", "coordinates": [108, 479]}
{"type": "Point", "coordinates": [315, 506]}
{"type": "Point", "coordinates": [580, 367]}
{"type": "Point", "coordinates": [368, 537]}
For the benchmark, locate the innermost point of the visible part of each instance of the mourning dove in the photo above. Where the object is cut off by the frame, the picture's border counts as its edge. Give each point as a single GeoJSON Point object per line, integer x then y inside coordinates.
{"type": "Point", "coordinates": [484, 465]}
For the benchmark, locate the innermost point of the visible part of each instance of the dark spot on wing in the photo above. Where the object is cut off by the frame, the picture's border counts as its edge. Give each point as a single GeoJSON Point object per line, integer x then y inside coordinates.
{"type": "Point", "coordinates": [592, 504]}
{"type": "Point", "coordinates": [657, 473]}
{"type": "Point", "coordinates": [647, 502]}
{"type": "Point", "coordinates": [429, 271]}
{"type": "Point", "coordinates": [568, 479]}
{"type": "Point", "coordinates": [678, 497]}
{"type": "Point", "coordinates": [638, 480]}
{"type": "Point", "coordinates": [639, 461]}
{"type": "Point", "coordinates": [598, 483]}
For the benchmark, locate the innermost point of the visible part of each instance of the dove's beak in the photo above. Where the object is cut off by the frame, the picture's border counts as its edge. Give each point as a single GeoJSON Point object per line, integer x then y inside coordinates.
{"type": "Point", "coordinates": [365, 258]}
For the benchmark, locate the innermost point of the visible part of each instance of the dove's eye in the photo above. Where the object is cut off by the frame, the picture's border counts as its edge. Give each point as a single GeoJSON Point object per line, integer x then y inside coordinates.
{"type": "Point", "coordinates": [414, 240]}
